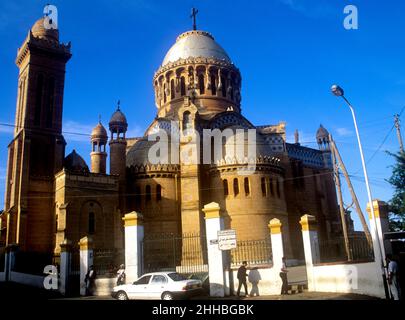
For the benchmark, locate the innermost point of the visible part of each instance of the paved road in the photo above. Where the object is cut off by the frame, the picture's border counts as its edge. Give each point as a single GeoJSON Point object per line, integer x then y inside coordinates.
{"type": "Point", "coordinates": [13, 290]}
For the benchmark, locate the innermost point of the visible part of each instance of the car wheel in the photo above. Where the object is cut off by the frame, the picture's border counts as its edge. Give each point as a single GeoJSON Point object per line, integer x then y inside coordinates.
{"type": "Point", "coordinates": [167, 296]}
{"type": "Point", "coordinates": [122, 296]}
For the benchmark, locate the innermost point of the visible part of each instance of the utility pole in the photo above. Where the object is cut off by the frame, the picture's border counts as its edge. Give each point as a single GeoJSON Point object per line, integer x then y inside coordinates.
{"type": "Point", "coordinates": [341, 208]}
{"type": "Point", "coordinates": [353, 194]}
{"type": "Point", "coordinates": [398, 126]}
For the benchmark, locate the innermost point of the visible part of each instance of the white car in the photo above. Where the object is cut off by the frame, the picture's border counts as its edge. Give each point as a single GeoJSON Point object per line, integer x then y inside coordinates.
{"type": "Point", "coordinates": [158, 285]}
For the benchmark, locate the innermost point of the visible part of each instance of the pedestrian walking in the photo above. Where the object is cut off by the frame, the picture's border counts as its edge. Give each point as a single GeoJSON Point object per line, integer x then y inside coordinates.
{"type": "Point", "coordinates": [283, 276]}
{"type": "Point", "coordinates": [90, 281]}
{"type": "Point", "coordinates": [393, 277]}
{"type": "Point", "coordinates": [254, 278]}
{"type": "Point", "coordinates": [242, 274]}
{"type": "Point", "coordinates": [121, 275]}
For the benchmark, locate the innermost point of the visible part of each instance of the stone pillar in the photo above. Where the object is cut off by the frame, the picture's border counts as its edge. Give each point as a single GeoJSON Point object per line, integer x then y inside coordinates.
{"type": "Point", "coordinates": [214, 223]}
{"type": "Point", "coordinates": [65, 258]}
{"type": "Point", "coordinates": [134, 233]}
{"type": "Point", "coordinates": [277, 247]}
{"type": "Point", "coordinates": [311, 246]}
{"type": "Point", "coordinates": [9, 260]}
{"type": "Point", "coordinates": [381, 220]}
{"type": "Point", "coordinates": [86, 260]}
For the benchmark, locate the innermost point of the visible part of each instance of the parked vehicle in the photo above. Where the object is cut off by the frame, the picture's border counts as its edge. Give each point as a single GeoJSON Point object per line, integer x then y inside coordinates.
{"type": "Point", "coordinates": [159, 285]}
{"type": "Point", "coordinates": [204, 278]}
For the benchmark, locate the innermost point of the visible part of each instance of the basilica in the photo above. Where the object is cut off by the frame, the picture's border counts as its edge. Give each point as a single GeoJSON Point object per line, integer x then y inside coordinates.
{"type": "Point", "coordinates": [52, 197]}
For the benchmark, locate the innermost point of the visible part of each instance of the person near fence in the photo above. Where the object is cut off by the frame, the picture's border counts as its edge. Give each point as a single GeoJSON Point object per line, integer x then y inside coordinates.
{"type": "Point", "coordinates": [242, 275]}
{"type": "Point", "coordinates": [90, 281]}
{"type": "Point", "coordinates": [121, 275]}
{"type": "Point", "coordinates": [254, 278]}
{"type": "Point", "coordinates": [283, 276]}
{"type": "Point", "coordinates": [393, 277]}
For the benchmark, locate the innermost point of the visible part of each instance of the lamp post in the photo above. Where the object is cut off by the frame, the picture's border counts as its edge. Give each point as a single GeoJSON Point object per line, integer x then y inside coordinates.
{"type": "Point", "coordinates": [338, 91]}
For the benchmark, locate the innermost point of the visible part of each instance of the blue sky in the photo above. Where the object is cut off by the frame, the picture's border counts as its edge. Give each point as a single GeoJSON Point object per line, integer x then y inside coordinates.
{"type": "Point", "coordinates": [289, 52]}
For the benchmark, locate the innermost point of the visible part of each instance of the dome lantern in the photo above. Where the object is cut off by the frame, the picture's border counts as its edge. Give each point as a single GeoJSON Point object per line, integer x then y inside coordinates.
{"type": "Point", "coordinates": [118, 123]}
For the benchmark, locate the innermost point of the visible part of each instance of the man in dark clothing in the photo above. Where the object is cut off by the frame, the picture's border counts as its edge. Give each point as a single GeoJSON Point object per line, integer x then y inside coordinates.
{"type": "Point", "coordinates": [90, 281]}
{"type": "Point", "coordinates": [283, 276]}
{"type": "Point", "coordinates": [242, 274]}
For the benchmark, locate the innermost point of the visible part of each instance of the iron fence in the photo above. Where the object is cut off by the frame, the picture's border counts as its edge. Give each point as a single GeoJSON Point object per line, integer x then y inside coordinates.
{"type": "Point", "coordinates": [334, 250]}
{"type": "Point", "coordinates": [106, 262]}
{"type": "Point", "coordinates": [254, 252]}
{"type": "Point", "coordinates": [186, 253]}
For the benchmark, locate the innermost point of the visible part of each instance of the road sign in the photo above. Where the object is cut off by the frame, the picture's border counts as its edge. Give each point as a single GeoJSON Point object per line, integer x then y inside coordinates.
{"type": "Point", "coordinates": [227, 239]}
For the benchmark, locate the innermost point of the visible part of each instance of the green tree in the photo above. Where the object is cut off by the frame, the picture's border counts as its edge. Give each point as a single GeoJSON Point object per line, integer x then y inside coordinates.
{"type": "Point", "coordinates": [397, 203]}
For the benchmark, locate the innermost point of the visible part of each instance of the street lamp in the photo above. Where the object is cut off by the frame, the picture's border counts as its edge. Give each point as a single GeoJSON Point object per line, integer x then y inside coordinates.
{"type": "Point", "coordinates": [339, 92]}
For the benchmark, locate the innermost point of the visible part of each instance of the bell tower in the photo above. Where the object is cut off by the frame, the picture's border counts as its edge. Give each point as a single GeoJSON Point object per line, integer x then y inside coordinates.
{"type": "Point", "coordinates": [37, 150]}
{"type": "Point", "coordinates": [98, 153]}
{"type": "Point", "coordinates": [118, 127]}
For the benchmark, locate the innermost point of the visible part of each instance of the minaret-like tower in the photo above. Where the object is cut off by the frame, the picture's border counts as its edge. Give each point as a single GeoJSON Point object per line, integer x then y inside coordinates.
{"type": "Point", "coordinates": [323, 140]}
{"type": "Point", "coordinates": [37, 150]}
{"type": "Point", "coordinates": [118, 127]}
{"type": "Point", "coordinates": [98, 153]}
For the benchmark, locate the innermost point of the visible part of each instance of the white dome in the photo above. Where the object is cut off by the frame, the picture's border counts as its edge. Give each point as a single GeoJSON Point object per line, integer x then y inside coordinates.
{"type": "Point", "coordinates": [195, 44]}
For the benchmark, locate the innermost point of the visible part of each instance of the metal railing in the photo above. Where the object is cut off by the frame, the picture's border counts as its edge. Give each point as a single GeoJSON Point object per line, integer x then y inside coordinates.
{"type": "Point", "coordinates": [186, 253]}
{"type": "Point", "coordinates": [254, 252]}
{"type": "Point", "coordinates": [333, 250]}
{"type": "Point", "coordinates": [106, 262]}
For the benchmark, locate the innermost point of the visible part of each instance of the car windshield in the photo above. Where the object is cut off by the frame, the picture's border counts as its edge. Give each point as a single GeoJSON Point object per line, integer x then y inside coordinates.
{"type": "Point", "coordinates": [176, 277]}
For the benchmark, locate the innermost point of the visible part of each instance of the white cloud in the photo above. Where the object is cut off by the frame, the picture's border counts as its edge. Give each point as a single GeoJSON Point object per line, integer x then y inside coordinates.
{"type": "Point", "coordinates": [75, 131]}
{"type": "Point", "coordinates": [344, 132]}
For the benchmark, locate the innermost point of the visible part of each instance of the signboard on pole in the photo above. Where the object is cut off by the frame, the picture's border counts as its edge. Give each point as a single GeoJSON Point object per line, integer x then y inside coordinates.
{"type": "Point", "coordinates": [227, 239]}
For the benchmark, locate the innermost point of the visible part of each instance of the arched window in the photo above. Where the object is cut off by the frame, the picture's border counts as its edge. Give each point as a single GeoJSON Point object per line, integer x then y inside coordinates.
{"type": "Point", "coordinates": [223, 89]}
{"type": "Point", "coordinates": [158, 192]}
{"type": "Point", "coordinates": [235, 186]}
{"type": "Point", "coordinates": [247, 187]}
{"type": "Point", "coordinates": [50, 103]}
{"type": "Point", "coordinates": [226, 190]}
{"type": "Point", "coordinates": [263, 185]}
{"type": "Point", "coordinates": [38, 101]}
{"type": "Point", "coordinates": [278, 188]}
{"type": "Point", "coordinates": [92, 223]}
{"type": "Point", "coordinates": [182, 86]}
{"type": "Point", "coordinates": [187, 120]}
{"type": "Point", "coordinates": [271, 187]}
{"type": "Point", "coordinates": [172, 89]}
{"type": "Point", "coordinates": [213, 85]}
{"type": "Point", "coordinates": [148, 194]}
{"type": "Point", "coordinates": [164, 93]}
{"type": "Point", "coordinates": [201, 83]}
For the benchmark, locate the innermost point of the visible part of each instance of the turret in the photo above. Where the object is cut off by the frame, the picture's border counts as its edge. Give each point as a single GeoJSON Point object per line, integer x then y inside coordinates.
{"type": "Point", "coordinates": [98, 153]}
{"type": "Point", "coordinates": [323, 140]}
{"type": "Point", "coordinates": [118, 127]}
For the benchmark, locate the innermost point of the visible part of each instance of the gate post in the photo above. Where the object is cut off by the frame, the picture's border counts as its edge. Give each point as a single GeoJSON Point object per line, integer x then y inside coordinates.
{"type": "Point", "coordinates": [381, 220]}
{"type": "Point", "coordinates": [277, 249]}
{"type": "Point", "coordinates": [134, 234]}
{"type": "Point", "coordinates": [214, 223]}
{"type": "Point", "coordinates": [86, 260]}
{"type": "Point", "coordinates": [311, 246]}
{"type": "Point", "coordinates": [65, 257]}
